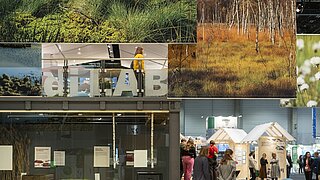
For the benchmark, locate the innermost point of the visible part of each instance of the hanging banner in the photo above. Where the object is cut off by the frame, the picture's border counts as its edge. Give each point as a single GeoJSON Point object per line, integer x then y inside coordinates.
{"type": "Point", "coordinates": [314, 122]}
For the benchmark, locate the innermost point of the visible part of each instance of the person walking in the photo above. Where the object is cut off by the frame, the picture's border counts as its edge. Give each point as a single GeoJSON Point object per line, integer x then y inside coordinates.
{"type": "Point", "coordinates": [315, 164]}
{"type": "Point", "coordinates": [307, 165]}
{"type": "Point", "coordinates": [275, 168]}
{"type": "Point", "coordinates": [201, 169]}
{"type": "Point", "coordinates": [289, 165]}
{"type": "Point", "coordinates": [300, 162]}
{"type": "Point", "coordinates": [263, 166]}
{"type": "Point", "coordinates": [212, 157]}
{"type": "Point", "coordinates": [252, 166]}
{"type": "Point", "coordinates": [227, 166]}
{"type": "Point", "coordinates": [188, 155]}
{"type": "Point", "coordinates": [183, 142]}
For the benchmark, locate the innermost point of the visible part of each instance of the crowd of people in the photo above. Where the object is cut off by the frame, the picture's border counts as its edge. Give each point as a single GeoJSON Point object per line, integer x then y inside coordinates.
{"type": "Point", "coordinates": [309, 165]}
{"type": "Point", "coordinates": [205, 166]}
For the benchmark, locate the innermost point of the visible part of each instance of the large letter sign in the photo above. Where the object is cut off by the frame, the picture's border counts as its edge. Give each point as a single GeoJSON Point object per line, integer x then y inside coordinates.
{"type": "Point", "coordinates": [127, 82]}
{"type": "Point", "coordinates": [156, 82]}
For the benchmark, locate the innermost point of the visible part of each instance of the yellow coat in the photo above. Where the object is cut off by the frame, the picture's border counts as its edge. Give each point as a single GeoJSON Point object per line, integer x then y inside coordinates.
{"type": "Point", "coordinates": [136, 62]}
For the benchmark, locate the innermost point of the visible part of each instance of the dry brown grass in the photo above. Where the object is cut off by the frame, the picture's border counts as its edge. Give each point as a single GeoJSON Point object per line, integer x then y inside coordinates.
{"type": "Point", "coordinates": [227, 65]}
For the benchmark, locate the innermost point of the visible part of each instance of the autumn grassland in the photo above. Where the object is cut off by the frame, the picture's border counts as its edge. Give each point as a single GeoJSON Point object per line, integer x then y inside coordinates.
{"type": "Point", "coordinates": [228, 64]}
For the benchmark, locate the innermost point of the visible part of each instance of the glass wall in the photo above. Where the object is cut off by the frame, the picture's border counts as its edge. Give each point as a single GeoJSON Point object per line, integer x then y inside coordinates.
{"type": "Point", "coordinates": [86, 146]}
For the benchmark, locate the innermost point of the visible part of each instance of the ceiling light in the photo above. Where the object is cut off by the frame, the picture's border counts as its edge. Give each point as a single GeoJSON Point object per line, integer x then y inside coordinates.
{"type": "Point", "coordinates": [79, 49]}
{"type": "Point", "coordinates": [79, 53]}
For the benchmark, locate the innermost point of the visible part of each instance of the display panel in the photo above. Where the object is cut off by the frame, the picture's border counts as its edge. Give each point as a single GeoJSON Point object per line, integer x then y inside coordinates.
{"type": "Point", "coordinates": [222, 147]}
{"type": "Point", "coordinates": [6, 155]}
{"type": "Point", "coordinates": [42, 157]}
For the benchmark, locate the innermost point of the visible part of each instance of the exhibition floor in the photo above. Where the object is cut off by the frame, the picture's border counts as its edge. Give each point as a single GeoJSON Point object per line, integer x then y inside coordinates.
{"type": "Point", "coordinates": [297, 177]}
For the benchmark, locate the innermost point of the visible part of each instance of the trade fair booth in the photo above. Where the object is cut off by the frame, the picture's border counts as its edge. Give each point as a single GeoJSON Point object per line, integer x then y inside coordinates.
{"type": "Point", "coordinates": [271, 138]}
{"type": "Point", "coordinates": [230, 138]}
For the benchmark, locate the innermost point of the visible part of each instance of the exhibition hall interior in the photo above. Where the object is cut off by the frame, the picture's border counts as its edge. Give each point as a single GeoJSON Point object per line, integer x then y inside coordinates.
{"type": "Point", "coordinates": [159, 89]}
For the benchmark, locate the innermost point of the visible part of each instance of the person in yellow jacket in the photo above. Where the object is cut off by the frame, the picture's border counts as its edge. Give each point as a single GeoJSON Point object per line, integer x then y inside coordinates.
{"type": "Point", "coordinates": [138, 67]}
{"type": "Point", "coordinates": [137, 63]}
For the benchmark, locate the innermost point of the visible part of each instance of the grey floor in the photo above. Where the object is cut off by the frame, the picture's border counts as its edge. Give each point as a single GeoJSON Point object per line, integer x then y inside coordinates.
{"type": "Point", "coordinates": [298, 176]}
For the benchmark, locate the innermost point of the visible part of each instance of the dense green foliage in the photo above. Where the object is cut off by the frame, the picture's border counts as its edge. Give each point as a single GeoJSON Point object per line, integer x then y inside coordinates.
{"type": "Point", "coordinates": [98, 21]}
{"type": "Point", "coordinates": [14, 86]}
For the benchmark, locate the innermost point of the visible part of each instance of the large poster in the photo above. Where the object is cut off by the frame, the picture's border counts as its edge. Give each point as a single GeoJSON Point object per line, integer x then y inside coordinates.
{"type": "Point", "coordinates": [245, 49]}
{"type": "Point", "coordinates": [20, 69]}
{"type": "Point", "coordinates": [98, 21]}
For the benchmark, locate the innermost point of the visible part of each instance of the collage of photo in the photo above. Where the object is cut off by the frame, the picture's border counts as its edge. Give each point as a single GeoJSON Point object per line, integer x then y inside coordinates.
{"type": "Point", "coordinates": [102, 89]}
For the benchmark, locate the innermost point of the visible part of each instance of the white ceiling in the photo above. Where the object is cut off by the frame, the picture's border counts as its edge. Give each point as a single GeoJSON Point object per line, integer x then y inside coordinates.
{"type": "Point", "coordinates": [81, 53]}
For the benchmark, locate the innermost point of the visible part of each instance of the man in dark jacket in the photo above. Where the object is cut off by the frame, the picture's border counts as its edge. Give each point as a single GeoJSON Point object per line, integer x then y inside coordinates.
{"type": "Point", "coordinates": [315, 164]}
{"type": "Point", "coordinates": [289, 165]}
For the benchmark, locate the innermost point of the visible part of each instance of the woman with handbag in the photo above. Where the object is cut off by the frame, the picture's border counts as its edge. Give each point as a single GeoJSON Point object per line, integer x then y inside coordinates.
{"type": "Point", "coordinates": [307, 164]}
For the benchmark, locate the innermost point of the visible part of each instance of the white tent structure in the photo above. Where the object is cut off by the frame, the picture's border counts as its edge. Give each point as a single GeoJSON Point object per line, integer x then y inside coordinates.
{"type": "Point", "coordinates": [233, 137]}
{"type": "Point", "coordinates": [182, 137]}
{"type": "Point", "coordinates": [272, 129]}
{"type": "Point", "coordinates": [271, 138]}
{"type": "Point", "coordinates": [228, 134]}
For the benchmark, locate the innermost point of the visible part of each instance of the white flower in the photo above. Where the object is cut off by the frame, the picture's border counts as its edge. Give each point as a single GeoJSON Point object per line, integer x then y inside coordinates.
{"type": "Point", "coordinates": [300, 44]}
{"type": "Point", "coordinates": [305, 70]}
{"type": "Point", "coordinates": [285, 102]}
{"type": "Point", "coordinates": [312, 79]}
{"type": "Point", "coordinates": [316, 46]}
{"type": "Point", "coordinates": [312, 104]}
{"type": "Point", "coordinates": [315, 61]}
{"type": "Point", "coordinates": [300, 81]}
{"type": "Point", "coordinates": [304, 87]}
{"type": "Point", "coordinates": [317, 76]}
{"type": "Point", "coordinates": [307, 63]}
